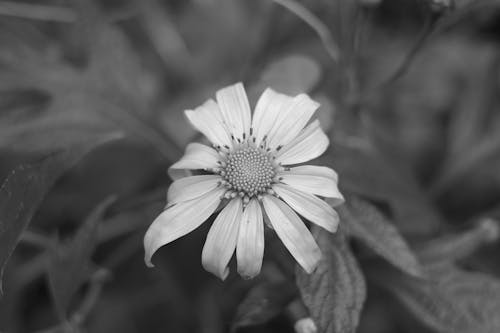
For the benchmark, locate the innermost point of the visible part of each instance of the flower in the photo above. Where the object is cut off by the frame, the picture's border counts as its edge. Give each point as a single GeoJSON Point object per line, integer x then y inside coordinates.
{"type": "Point", "coordinates": [250, 172]}
{"type": "Point", "coordinates": [305, 325]}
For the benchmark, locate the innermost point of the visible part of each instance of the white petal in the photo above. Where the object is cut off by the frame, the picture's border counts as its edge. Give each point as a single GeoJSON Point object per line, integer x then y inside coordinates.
{"type": "Point", "coordinates": [233, 103]}
{"type": "Point", "coordinates": [293, 233]}
{"type": "Point", "coordinates": [313, 179]}
{"type": "Point", "coordinates": [179, 220]}
{"type": "Point", "coordinates": [309, 144]}
{"type": "Point", "coordinates": [188, 188]}
{"type": "Point", "coordinates": [267, 111]}
{"type": "Point", "coordinates": [197, 156]}
{"type": "Point", "coordinates": [221, 239]}
{"type": "Point", "coordinates": [291, 120]}
{"type": "Point", "coordinates": [309, 206]}
{"type": "Point", "coordinates": [207, 119]}
{"type": "Point", "coordinates": [250, 248]}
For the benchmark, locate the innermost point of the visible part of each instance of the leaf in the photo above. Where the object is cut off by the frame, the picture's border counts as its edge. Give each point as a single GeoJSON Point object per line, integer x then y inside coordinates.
{"type": "Point", "coordinates": [474, 4]}
{"type": "Point", "coordinates": [43, 135]}
{"type": "Point", "coordinates": [23, 191]}
{"type": "Point", "coordinates": [70, 263]}
{"type": "Point", "coordinates": [114, 67]}
{"type": "Point", "coordinates": [477, 294]}
{"type": "Point", "coordinates": [158, 23]}
{"type": "Point", "coordinates": [469, 122]}
{"type": "Point", "coordinates": [316, 24]}
{"type": "Point", "coordinates": [368, 171]}
{"type": "Point", "coordinates": [366, 223]}
{"type": "Point", "coordinates": [452, 247]}
{"type": "Point", "coordinates": [112, 91]}
{"type": "Point", "coordinates": [454, 171]}
{"type": "Point", "coordinates": [292, 75]}
{"type": "Point", "coordinates": [471, 128]}
{"type": "Point", "coordinates": [335, 292]}
{"type": "Point", "coordinates": [263, 302]}
{"type": "Point", "coordinates": [452, 301]}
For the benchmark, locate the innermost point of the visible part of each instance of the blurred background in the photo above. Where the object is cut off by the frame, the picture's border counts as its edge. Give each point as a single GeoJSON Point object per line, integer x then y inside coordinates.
{"type": "Point", "coordinates": [92, 94]}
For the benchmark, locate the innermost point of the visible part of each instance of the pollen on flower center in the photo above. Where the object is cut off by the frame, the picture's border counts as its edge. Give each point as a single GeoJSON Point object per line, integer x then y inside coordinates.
{"type": "Point", "coordinates": [249, 170]}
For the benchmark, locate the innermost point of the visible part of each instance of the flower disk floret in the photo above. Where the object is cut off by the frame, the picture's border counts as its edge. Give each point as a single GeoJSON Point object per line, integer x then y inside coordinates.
{"type": "Point", "coordinates": [248, 172]}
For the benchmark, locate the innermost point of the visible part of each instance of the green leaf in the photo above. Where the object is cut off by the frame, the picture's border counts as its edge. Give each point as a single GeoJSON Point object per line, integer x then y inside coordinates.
{"type": "Point", "coordinates": [263, 302]}
{"type": "Point", "coordinates": [335, 292]}
{"type": "Point", "coordinates": [365, 222]}
{"type": "Point", "coordinates": [452, 301]}
{"type": "Point", "coordinates": [23, 191]}
{"type": "Point", "coordinates": [70, 263]}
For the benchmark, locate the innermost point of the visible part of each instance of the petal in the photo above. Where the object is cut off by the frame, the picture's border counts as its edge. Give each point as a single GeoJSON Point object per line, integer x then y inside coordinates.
{"type": "Point", "coordinates": [179, 220]}
{"type": "Point", "coordinates": [293, 233]}
{"type": "Point", "coordinates": [309, 206]}
{"type": "Point", "coordinates": [291, 120]}
{"type": "Point", "coordinates": [197, 156]}
{"type": "Point", "coordinates": [250, 249]}
{"type": "Point", "coordinates": [233, 103]}
{"type": "Point", "coordinates": [267, 111]}
{"type": "Point", "coordinates": [207, 119]}
{"type": "Point", "coordinates": [313, 179]}
{"type": "Point", "coordinates": [221, 240]}
{"type": "Point", "coordinates": [309, 144]}
{"type": "Point", "coordinates": [188, 188]}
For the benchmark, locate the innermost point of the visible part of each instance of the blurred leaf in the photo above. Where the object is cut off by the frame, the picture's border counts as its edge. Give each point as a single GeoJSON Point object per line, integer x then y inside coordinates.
{"type": "Point", "coordinates": [112, 91]}
{"type": "Point", "coordinates": [47, 134]}
{"type": "Point", "coordinates": [428, 304]}
{"type": "Point", "coordinates": [470, 126]}
{"type": "Point", "coordinates": [70, 264]}
{"type": "Point", "coordinates": [457, 10]}
{"type": "Point", "coordinates": [456, 169]}
{"type": "Point", "coordinates": [322, 30]}
{"type": "Point", "coordinates": [439, 5]}
{"type": "Point", "coordinates": [291, 75]}
{"type": "Point", "coordinates": [25, 188]}
{"type": "Point", "coordinates": [64, 115]}
{"type": "Point", "coordinates": [169, 44]}
{"type": "Point", "coordinates": [453, 301]}
{"type": "Point", "coordinates": [114, 66]}
{"type": "Point", "coordinates": [366, 171]}
{"type": "Point", "coordinates": [335, 291]}
{"type": "Point", "coordinates": [462, 4]}
{"type": "Point", "coordinates": [263, 302]}
{"type": "Point", "coordinates": [452, 247]}
{"type": "Point", "coordinates": [470, 118]}
{"type": "Point", "coordinates": [366, 223]}
{"type": "Point", "coordinates": [213, 33]}
{"type": "Point", "coordinates": [129, 219]}
{"type": "Point", "coordinates": [476, 293]}
{"type": "Point", "coordinates": [326, 112]}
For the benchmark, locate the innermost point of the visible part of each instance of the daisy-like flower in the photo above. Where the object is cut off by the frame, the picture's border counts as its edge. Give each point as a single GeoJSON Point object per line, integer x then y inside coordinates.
{"type": "Point", "coordinates": [253, 171]}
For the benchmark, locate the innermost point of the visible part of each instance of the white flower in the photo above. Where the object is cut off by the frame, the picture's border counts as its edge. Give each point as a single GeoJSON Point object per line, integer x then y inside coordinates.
{"type": "Point", "coordinates": [305, 325]}
{"type": "Point", "coordinates": [249, 171]}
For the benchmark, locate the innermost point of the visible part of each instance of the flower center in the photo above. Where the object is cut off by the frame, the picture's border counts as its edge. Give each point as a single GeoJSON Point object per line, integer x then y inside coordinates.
{"type": "Point", "coordinates": [249, 171]}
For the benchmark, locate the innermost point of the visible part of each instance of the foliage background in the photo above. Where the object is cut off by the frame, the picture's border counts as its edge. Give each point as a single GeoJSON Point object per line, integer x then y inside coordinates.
{"type": "Point", "coordinates": [91, 101]}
